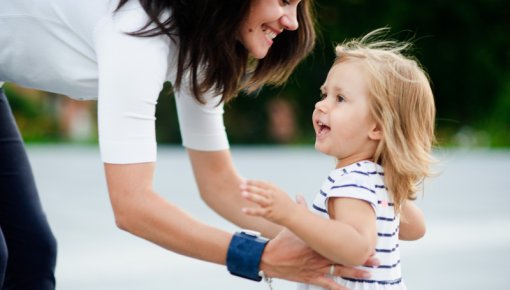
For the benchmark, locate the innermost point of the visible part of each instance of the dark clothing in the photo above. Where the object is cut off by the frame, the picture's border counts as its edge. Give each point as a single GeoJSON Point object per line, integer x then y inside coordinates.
{"type": "Point", "coordinates": [27, 245]}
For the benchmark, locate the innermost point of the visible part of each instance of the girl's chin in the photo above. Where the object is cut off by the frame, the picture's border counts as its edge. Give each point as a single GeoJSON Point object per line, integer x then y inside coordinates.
{"type": "Point", "coordinates": [319, 148]}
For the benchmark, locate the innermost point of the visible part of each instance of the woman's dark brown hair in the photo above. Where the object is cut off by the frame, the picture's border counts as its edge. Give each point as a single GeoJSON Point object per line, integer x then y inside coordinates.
{"type": "Point", "coordinates": [207, 34]}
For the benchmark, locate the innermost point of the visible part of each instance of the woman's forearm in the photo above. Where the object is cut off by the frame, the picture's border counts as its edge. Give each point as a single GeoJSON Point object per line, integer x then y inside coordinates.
{"type": "Point", "coordinates": [219, 186]}
{"type": "Point", "coordinates": [144, 213]}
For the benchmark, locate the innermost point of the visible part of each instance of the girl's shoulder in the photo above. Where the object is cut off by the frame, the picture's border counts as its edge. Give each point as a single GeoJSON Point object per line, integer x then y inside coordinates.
{"type": "Point", "coordinates": [362, 168]}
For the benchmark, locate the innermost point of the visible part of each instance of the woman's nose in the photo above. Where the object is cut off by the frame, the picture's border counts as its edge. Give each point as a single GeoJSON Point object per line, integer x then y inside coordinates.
{"type": "Point", "coordinates": [289, 20]}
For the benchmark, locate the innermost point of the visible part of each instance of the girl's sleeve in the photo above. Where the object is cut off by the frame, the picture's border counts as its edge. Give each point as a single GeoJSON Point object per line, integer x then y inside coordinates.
{"type": "Point", "coordinates": [131, 73]}
{"type": "Point", "coordinates": [356, 185]}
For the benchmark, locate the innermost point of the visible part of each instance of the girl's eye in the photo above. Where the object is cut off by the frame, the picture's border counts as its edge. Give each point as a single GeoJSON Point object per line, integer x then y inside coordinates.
{"type": "Point", "coordinates": [286, 2]}
{"type": "Point", "coordinates": [322, 96]}
{"type": "Point", "coordinates": [340, 98]}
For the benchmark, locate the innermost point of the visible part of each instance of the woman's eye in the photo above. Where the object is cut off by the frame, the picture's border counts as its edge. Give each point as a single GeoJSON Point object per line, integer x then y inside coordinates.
{"type": "Point", "coordinates": [286, 2]}
{"type": "Point", "coordinates": [340, 98]}
{"type": "Point", "coordinates": [323, 96]}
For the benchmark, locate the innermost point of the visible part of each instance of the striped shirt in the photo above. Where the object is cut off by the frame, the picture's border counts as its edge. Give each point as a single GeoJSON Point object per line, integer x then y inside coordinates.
{"type": "Point", "coordinates": [364, 180]}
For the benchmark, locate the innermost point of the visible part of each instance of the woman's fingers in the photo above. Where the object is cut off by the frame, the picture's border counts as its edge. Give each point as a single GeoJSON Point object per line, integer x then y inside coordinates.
{"type": "Point", "coordinates": [349, 272]}
{"type": "Point", "coordinates": [288, 257]}
{"type": "Point", "coordinates": [327, 283]}
{"type": "Point", "coordinates": [372, 261]}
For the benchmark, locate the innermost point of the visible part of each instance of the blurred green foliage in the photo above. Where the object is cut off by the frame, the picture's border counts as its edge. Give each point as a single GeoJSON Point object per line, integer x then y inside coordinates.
{"type": "Point", "coordinates": [464, 46]}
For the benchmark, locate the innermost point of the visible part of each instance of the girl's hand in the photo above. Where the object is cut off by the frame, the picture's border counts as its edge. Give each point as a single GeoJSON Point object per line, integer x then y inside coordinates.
{"type": "Point", "coordinates": [273, 204]}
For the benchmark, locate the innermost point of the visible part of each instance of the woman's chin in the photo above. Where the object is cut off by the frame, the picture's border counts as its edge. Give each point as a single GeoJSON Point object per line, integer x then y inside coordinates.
{"type": "Point", "coordinates": [259, 54]}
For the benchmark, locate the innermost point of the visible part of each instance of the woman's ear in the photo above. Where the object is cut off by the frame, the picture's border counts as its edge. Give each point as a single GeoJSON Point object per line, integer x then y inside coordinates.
{"type": "Point", "coordinates": [375, 133]}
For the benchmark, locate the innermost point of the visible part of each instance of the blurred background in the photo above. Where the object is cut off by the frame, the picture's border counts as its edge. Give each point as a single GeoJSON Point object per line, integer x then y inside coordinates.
{"type": "Point", "coordinates": [464, 46]}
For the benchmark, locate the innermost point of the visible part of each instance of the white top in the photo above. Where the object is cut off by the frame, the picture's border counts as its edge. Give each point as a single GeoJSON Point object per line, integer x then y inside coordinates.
{"type": "Point", "coordinates": [365, 181]}
{"type": "Point", "coordinates": [80, 49]}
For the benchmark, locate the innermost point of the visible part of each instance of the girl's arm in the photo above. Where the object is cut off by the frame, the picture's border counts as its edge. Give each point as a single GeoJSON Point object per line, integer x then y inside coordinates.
{"type": "Point", "coordinates": [349, 238]}
{"type": "Point", "coordinates": [412, 222]}
{"type": "Point", "coordinates": [219, 185]}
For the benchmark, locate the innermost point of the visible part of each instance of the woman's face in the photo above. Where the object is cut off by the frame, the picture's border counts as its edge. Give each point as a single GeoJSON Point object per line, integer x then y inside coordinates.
{"type": "Point", "coordinates": [266, 19]}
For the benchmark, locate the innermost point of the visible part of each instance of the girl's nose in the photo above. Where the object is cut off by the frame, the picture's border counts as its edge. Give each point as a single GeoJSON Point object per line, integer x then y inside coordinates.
{"type": "Point", "coordinates": [321, 105]}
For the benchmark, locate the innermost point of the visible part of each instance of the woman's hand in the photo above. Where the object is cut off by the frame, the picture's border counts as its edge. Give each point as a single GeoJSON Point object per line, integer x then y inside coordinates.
{"type": "Point", "coordinates": [288, 257]}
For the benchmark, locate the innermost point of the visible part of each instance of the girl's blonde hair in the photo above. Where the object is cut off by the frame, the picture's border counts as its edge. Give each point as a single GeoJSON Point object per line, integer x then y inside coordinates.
{"type": "Point", "coordinates": [402, 103]}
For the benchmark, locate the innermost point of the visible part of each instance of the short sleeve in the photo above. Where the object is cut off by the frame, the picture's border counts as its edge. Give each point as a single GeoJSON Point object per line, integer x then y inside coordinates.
{"type": "Point", "coordinates": [131, 71]}
{"type": "Point", "coordinates": [201, 125]}
{"type": "Point", "coordinates": [354, 184]}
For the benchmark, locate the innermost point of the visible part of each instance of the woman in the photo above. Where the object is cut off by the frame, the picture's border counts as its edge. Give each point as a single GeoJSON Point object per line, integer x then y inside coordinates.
{"type": "Point", "coordinates": [121, 54]}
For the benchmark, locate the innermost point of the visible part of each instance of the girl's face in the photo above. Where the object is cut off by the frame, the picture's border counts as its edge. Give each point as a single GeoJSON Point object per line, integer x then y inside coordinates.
{"type": "Point", "coordinates": [342, 122]}
{"type": "Point", "coordinates": [266, 19]}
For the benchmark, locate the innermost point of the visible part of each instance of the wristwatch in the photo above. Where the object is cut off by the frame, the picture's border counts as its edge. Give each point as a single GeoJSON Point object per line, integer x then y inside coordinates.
{"type": "Point", "coordinates": [244, 253]}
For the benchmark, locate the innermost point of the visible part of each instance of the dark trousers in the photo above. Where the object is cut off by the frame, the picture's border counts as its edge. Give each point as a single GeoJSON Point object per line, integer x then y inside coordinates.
{"type": "Point", "coordinates": [28, 248]}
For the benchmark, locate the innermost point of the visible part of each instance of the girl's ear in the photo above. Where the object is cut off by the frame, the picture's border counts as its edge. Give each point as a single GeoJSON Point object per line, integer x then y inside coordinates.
{"type": "Point", "coordinates": [375, 133]}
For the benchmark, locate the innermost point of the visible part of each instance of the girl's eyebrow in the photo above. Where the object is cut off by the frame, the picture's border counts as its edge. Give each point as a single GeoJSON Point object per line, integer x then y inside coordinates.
{"type": "Point", "coordinates": [335, 88]}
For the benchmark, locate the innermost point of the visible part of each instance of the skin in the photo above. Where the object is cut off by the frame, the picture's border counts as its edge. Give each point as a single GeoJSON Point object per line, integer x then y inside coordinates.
{"type": "Point", "coordinates": [345, 130]}
{"type": "Point", "coordinates": [141, 211]}
{"type": "Point", "coordinates": [266, 20]}
{"type": "Point", "coordinates": [342, 122]}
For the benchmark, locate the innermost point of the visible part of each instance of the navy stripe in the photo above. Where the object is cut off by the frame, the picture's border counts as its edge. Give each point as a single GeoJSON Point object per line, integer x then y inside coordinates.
{"type": "Point", "coordinates": [331, 179]}
{"type": "Point", "coordinates": [380, 186]}
{"type": "Point", "coordinates": [319, 208]}
{"type": "Point", "coordinates": [388, 235]}
{"type": "Point", "coordinates": [322, 193]}
{"type": "Point", "coordinates": [353, 185]}
{"type": "Point", "coordinates": [389, 203]}
{"type": "Point", "coordinates": [388, 266]}
{"type": "Point", "coordinates": [382, 282]}
{"type": "Point", "coordinates": [360, 172]}
{"type": "Point", "coordinates": [375, 172]}
{"type": "Point", "coordinates": [380, 218]}
{"type": "Point", "coordinates": [387, 250]}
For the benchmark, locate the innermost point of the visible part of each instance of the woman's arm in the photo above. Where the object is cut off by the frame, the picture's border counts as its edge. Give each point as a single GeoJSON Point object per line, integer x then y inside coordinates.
{"type": "Point", "coordinates": [142, 212]}
{"type": "Point", "coordinates": [349, 238]}
{"type": "Point", "coordinates": [219, 186]}
{"type": "Point", "coordinates": [412, 222]}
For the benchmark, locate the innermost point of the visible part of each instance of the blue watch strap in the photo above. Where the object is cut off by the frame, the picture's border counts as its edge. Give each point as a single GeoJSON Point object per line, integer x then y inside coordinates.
{"type": "Point", "coordinates": [244, 254]}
